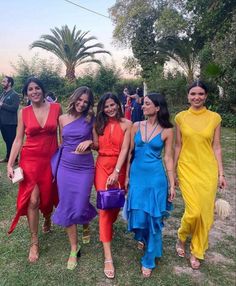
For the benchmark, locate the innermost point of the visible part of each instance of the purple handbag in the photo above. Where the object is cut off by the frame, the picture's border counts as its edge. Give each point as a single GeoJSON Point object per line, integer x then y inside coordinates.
{"type": "Point", "coordinates": [110, 198]}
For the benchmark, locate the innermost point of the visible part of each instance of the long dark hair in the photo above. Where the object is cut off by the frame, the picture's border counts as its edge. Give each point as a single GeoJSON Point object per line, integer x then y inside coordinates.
{"type": "Point", "coordinates": [102, 118]}
{"type": "Point", "coordinates": [35, 80]}
{"type": "Point", "coordinates": [163, 115]}
{"type": "Point", "coordinates": [88, 112]}
{"type": "Point", "coordinates": [199, 83]}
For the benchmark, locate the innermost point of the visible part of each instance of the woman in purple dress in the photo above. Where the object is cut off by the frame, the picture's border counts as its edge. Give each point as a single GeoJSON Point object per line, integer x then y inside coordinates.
{"type": "Point", "coordinates": [75, 171]}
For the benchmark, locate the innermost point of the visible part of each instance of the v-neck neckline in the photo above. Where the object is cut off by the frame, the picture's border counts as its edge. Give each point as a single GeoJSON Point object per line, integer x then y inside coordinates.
{"type": "Point", "coordinates": [42, 127]}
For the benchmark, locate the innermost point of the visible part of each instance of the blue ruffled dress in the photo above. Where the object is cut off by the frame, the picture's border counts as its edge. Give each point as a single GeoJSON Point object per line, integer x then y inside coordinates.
{"type": "Point", "coordinates": [147, 197]}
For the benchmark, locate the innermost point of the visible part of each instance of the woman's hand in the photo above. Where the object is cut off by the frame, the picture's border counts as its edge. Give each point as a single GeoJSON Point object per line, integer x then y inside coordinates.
{"type": "Point", "coordinates": [126, 184]}
{"type": "Point", "coordinates": [172, 194]}
{"type": "Point", "coordinates": [113, 179]}
{"type": "Point", "coordinates": [222, 182]}
{"type": "Point", "coordinates": [10, 172]}
{"type": "Point", "coordinates": [83, 146]}
{"type": "Point", "coordinates": [176, 180]}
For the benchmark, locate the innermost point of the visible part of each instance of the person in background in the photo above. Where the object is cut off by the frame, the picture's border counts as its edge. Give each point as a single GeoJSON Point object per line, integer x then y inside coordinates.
{"type": "Point", "coordinates": [113, 144]}
{"type": "Point", "coordinates": [123, 98]}
{"type": "Point", "coordinates": [149, 193]}
{"type": "Point", "coordinates": [137, 99]}
{"type": "Point", "coordinates": [38, 123]}
{"type": "Point", "coordinates": [75, 172]}
{"type": "Point", "coordinates": [9, 104]}
{"type": "Point", "coordinates": [199, 166]}
{"type": "Point", "coordinates": [51, 97]}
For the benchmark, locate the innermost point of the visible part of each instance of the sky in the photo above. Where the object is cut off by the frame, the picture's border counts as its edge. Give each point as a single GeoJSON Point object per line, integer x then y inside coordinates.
{"type": "Point", "coordinates": [24, 21]}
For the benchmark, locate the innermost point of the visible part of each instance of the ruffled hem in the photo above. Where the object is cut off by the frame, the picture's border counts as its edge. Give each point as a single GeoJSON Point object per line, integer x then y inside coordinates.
{"type": "Point", "coordinates": [151, 200]}
{"type": "Point", "coordinates": [74, 218]}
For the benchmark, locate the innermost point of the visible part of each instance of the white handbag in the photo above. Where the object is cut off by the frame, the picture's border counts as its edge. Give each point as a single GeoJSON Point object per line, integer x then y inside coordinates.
{"type": "Point", "coordinates": [18, 175]}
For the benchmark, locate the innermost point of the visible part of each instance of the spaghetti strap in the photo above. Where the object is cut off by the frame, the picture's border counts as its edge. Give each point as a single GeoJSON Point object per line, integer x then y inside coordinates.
{"type": "Point", "coordinates": [139, 124]}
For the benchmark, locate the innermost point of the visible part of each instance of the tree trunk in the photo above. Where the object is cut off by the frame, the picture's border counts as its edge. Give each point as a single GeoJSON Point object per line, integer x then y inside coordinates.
{"type": "Point", "coordinates": [70, 73]}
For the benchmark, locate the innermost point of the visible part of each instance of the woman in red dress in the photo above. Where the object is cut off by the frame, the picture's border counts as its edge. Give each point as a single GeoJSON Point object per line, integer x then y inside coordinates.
{"type": "Point", "coordinates": [113, 144]}
{"type": "Point", "coordinates": [38, 122]}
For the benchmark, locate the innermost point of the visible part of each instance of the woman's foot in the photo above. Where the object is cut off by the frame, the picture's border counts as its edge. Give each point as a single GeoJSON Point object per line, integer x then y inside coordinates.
{"type": "Point", "coordinates": [72, 261]}
{"type": "Point", "coordinates": [34, 248]}
{"type": "Point", "coordinates": [146, 272]}
{"type": "Point", "coordinates": [140, 245]}
{"type": "Point", "coordinates": [194, 262]}
{"type": "Point", "coordinates": [33, 252]}
{"type": "Point", "coordinates": [46, 227]}
{"type": "Point", "coordinates": [180, 248]}
{"type": "Point", "coordinates": [109, 269]}
{"type": "Point", "coordinates": [86, 234]}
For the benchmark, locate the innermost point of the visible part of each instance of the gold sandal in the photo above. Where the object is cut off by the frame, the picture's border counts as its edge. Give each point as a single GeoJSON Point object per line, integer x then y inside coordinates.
{"type": "Point", "coordinates": [86, 235]}
{"type": "Point", "coordinates": [110, 274]}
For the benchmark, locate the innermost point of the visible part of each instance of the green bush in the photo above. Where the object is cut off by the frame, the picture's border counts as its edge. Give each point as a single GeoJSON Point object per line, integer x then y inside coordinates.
{"type": "Point", "coordinates": [228, 120]}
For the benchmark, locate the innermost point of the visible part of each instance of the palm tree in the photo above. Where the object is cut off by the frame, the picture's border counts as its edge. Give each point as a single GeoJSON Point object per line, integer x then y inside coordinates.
{"type": "Point", "coordinates": [182, 51]}
{"type": "Point", "coordinates": [73, 48]}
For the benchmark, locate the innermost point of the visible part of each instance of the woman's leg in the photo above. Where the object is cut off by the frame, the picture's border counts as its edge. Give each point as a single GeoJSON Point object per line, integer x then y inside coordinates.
{"type": "Point", "coordinates": [46, 228]}
{"type": "Point", "coordinates": [33, 221]}
{"type": "Point", "coordinates": [73, 239]}
{"type": "Point", "coordinates": [106, 220]}
{"type": "Point", "coordinates": [86, 234]}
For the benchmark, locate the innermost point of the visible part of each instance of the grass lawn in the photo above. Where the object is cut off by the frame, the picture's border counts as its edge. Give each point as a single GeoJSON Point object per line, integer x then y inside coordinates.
{"type": "Point", "coordinates": [217, 269]}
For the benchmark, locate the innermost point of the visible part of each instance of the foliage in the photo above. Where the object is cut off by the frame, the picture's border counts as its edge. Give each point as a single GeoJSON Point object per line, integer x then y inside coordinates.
{"type": "Point", "coordinates": [72, 47]}
{"type": "Point", "coordinates": [194, 33]}
{"type": "Point", "coordinates": [105, 79]}
{"type": "Point", "coordinates": [47, 70]}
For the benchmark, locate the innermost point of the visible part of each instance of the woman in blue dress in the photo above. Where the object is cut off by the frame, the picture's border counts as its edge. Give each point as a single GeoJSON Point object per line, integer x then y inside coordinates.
{"type": "Point", "coordinates": [150, 195]}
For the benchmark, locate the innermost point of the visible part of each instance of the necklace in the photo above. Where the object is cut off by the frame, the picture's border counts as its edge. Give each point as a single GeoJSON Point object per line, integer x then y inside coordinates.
{"type": "Point", "coordinates": [147, 138]}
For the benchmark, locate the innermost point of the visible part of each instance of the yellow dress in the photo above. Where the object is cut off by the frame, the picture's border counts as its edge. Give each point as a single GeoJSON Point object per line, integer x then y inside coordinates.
{"type": "Point", "coordinates": [198, 176]}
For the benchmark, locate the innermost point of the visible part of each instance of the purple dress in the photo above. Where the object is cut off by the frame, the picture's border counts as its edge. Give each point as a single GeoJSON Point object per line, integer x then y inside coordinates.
{"type": "Point", "coordinates": [75, 174]}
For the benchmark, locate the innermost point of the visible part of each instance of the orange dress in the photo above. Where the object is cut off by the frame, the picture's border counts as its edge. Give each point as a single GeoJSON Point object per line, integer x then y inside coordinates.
{"type": "Point", "coordinates": [110, 144]}
{"type": "Point", "coordinates": [35, 157]}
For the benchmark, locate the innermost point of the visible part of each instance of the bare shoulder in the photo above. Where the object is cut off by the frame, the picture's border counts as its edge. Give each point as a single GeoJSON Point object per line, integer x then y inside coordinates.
{"type": "Point", "coordinates": [126, 123]}
{"type": "Point", "coordinates": [167, 133]}
{"type": "Point", "coordinates": [63, 119]}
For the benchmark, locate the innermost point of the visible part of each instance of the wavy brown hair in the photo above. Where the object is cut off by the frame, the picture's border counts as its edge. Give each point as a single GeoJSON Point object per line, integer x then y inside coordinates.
{"type": "Point", "coordinates": [88, 112]}
{"type": "Point", "coordinates": [102, 118]}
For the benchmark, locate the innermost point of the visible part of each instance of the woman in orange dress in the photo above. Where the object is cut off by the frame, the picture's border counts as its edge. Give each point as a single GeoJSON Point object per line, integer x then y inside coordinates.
{"type": "Point", "coordinates": [38, 122]}
{"type": "Point", "coordinates": [113, 144]}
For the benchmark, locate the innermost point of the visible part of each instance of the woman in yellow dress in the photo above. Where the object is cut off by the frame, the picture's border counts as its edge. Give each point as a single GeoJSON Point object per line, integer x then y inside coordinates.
{"type": "Point", "coordinates": [199, 168]}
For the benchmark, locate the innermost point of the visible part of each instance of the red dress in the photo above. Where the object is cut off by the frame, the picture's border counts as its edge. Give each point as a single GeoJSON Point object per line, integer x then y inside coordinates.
{"type": "Point", "coordinates": [110, 144]}
{"type": "Point", "coordinates": [35, 157]}
{"type": "Point", "coordinates": [128, 108]}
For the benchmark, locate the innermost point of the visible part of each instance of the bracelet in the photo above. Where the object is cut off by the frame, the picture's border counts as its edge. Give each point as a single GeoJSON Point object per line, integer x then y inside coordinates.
{"type": "Point", "coordinates": [117, 170]}
{"type": "Point", "coordinates": [221, 175]}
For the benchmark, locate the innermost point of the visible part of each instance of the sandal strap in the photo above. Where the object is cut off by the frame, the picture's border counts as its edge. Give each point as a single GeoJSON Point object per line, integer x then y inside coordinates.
{"type": "Point", "coordinates": [108, 261]}
{"type": "Point", "coordinates": [34, 243]}
{"type": "Point", "coordinates": [75, 253]}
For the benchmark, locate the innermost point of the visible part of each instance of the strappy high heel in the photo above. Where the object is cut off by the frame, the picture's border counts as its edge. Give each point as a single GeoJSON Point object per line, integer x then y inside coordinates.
{"type": "Point", "coordinates": [71, 265]}
{"type": "Point", "coordinates": [146, 272]}
{"type": "Point", "coordinates": [111, 272]}
{"type": "Point", "coordinates": [34, 243]}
